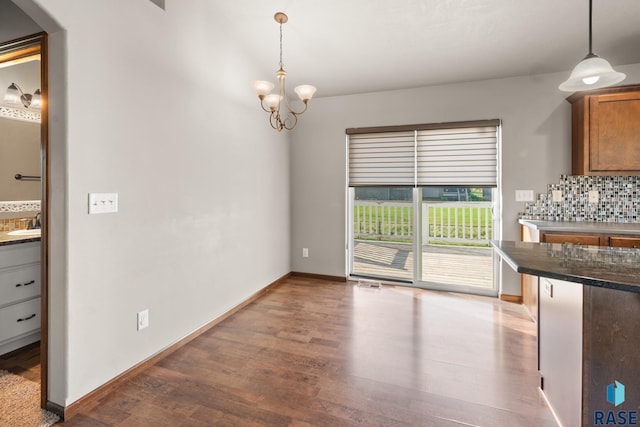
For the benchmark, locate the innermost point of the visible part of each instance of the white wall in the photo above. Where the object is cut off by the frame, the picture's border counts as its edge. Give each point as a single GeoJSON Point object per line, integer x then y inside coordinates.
{"type": "Point", "coordinates": [536, 149]}
{"type": "Point", "coordinates": [156, 106]}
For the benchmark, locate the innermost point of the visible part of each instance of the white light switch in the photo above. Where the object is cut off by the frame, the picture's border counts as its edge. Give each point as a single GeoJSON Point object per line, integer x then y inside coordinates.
{"type": "Point", "coordinates": [524, 195]}
{"type": "Point", "coordinates": [103, 203]}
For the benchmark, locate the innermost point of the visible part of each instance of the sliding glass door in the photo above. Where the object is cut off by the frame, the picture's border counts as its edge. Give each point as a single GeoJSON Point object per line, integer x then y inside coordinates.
{"type": "Point", "coordinates": [456, 225]}
{"type": "Point", "coordinates": [423, 203]}
{"type": "Point", "coordinates": [382, 224]}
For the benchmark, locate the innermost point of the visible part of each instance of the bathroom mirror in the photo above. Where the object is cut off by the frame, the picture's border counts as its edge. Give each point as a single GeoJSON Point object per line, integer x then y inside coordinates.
{"type": "Point", "coordinates": [20, 132]}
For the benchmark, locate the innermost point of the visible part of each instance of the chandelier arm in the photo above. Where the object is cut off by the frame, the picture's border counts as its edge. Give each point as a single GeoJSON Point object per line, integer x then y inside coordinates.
{"type": "Point", "coordinates": [275, 122]}
{"type": "Point", "coordinates": [268, 110]}
{"type": "Point", "coordinates": [292, 111]}
{"type": "Point", "coordinates": [295, 121]}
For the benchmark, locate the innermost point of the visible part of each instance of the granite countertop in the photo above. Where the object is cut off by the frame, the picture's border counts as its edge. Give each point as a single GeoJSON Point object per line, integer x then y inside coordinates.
{"type": "Point", "coordinates": [6, 239]}
{"type": "Point", "coordinates": [603, 266]}
{"type": "Point", "coordinates": [583, 226]}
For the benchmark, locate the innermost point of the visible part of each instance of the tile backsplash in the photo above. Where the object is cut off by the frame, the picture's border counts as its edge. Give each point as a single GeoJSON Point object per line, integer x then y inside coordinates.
{"type": "Point", "coordinates": [618, 200]}
{"type": "Point", "coordinates": [16, 215]}
{"type": "Point", "coordinates": [14, 224]}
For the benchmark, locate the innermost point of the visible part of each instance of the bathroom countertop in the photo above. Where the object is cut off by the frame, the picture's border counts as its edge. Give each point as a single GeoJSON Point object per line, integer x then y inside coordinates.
{"type": "Point", "coordinates": [602, 266]}
{"type": "Point", "coordinates": [6, 239]}
{"type": "Point", "coordinates": [583, 226]}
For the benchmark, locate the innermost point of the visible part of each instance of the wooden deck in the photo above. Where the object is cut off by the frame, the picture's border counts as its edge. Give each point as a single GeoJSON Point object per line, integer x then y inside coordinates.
{"type": "Point", "coordinates": [446, 265]}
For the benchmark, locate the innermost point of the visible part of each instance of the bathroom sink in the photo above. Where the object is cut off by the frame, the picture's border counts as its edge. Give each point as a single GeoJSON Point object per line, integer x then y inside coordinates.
{"type": "Point", "coordinates": [26, 233]}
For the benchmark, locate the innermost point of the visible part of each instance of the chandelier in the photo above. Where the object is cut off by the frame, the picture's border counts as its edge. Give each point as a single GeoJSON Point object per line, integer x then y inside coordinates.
{"type": "Point", "coordinates": [281, 115]}
{"type": "Point", "coordinates": [592, 72]}
{"type": "Point", "coordinates": [15, 95]}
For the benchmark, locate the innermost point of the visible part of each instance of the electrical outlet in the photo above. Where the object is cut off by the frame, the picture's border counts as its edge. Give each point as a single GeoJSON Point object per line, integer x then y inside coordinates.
{"type": "Point", "coordinates": [594, 196]}
{"type": "Point", "coordinates": [143, 319]}
{"type": "Point", "coordinates": [305, 252]}
{"type": "Point", "coordinates": [556, 195]}
{"type": "Point", "coordinates": [524, 196]}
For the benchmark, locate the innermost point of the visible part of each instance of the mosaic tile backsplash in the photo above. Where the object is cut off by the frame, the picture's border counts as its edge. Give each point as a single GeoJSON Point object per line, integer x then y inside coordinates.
{"type": "Point", "coordinates": [618, 200]}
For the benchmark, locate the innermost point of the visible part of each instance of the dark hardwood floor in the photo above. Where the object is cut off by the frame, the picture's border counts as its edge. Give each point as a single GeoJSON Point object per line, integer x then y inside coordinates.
{"type": "Point", "coordinates": [319, 353]}
{"type": "Point", "coordinates": [24, 362]}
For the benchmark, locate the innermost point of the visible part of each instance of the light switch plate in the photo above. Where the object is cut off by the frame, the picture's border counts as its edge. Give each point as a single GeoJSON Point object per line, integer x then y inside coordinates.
{"type": "Point", "coordinates": [548, 288]}
{"type": "Point", "coordinates": [103, 203]}
{"type": "Point", "coordinates": [524, 196]}
{"type": "Point", "coordinates": [594, 196]}
{"type": "Point", "coordinates": [556, 195]}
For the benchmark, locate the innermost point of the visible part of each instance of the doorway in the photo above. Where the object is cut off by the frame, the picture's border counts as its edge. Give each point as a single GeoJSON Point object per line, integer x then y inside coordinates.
{"type": "Point", "coordinates": [17, 55]}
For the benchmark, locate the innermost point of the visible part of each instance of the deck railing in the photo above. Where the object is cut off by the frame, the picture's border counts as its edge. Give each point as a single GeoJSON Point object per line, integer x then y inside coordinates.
{"type": "Point", "coordinates": [442, 222]}
{"type": "Point", "coordinates": [383, 220]}
{"type": "Point", "coordinates": [464, 222]}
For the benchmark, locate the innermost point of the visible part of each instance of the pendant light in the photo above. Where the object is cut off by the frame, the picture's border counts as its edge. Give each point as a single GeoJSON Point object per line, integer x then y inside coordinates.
{"type": "Point", "coordinates": [592, 72]}
{"type": "Point", "coordinates": [281, 115]}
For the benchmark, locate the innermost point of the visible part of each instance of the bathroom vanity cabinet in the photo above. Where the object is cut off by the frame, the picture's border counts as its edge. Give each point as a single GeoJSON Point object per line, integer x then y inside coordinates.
{"type": "Point", "coordinates": [19, 295]}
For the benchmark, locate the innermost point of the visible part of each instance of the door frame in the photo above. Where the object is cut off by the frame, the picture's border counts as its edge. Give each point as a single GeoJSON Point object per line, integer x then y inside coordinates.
{"type": "Point", "coordinates": [10, 51]}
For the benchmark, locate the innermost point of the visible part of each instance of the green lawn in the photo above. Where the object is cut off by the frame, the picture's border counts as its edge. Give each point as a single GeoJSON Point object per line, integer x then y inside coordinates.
{"type": "Point", "coordinates": [395, 222]}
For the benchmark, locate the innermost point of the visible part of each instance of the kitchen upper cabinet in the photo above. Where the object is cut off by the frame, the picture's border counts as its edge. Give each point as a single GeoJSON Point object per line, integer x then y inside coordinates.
{"type": "Point", "coordinates": [605, 131]}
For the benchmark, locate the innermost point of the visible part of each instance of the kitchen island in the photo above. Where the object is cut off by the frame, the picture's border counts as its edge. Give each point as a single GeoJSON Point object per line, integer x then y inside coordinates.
{"type": "Point", "coordinates": [588, 328]}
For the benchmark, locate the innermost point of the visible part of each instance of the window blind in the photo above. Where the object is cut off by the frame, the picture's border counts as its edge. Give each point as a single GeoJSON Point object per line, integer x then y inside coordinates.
{"type": "Point", "coordinates": [382, 159]}
{"type": "Point", "coordinates": [460, 156]}
{"type": "Point", "coordinates": [444, 154]}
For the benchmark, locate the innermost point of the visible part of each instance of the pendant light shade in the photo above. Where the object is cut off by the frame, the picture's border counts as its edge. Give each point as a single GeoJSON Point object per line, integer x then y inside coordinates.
{"type": "Point", "coordinates": [592, 72]}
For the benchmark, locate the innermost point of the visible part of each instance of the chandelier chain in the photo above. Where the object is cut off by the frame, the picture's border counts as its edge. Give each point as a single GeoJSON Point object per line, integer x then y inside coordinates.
{"type": "Point", "coordinates": [281, 64]}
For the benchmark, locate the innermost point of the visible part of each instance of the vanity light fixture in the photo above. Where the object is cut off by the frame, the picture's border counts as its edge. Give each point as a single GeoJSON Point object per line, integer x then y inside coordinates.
{"type": "Point", "coordinates": [15, 95]}
{"type": "Point", "coordinates": [278, 118]}
{"type": "Point", "coordinates": [592, 72]}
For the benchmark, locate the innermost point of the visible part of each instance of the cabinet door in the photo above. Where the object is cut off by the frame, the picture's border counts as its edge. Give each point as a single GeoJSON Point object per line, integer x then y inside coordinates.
{"type": "Point", "coordinates": [560, 348]}
{"type": "Point", "coordinates": [614, 126]}
{"type": "Point", "coordinates": [577, 239]}
{"type": "Point", "coordinates": [624, 242]}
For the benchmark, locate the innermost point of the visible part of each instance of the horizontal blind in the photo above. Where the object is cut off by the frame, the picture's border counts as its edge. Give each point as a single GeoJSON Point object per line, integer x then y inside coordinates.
{"type": "Point", "coordinates": [382, 159]}
{"type": "Point", "coordinates": [457, 156]}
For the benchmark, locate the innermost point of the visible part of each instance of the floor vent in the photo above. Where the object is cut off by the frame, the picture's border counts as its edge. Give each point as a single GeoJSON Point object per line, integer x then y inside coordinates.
{"type": "Point", "coordinates": [365, 283]}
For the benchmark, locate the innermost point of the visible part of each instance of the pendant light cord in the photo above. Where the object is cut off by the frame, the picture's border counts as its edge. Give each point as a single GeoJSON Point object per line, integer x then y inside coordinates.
{"type": "Point", "coordinates": [590, 29]}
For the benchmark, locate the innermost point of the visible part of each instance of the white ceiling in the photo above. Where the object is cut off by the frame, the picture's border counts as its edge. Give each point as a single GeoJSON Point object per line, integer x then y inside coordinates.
{"type": "Point", "coordinates": [356, 46]}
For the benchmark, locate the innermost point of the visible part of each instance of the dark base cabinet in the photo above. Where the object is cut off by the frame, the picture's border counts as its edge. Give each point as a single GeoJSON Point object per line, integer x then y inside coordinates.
{"type": "Point", "coordinates": [588, 344]}
{"type": "Point", "coordinates": [611, 352]}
